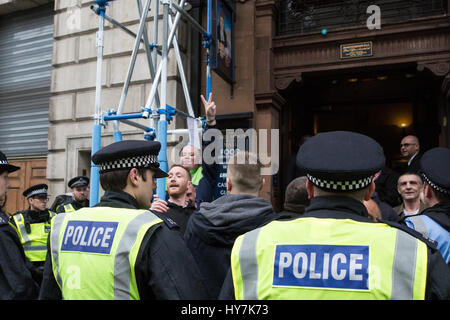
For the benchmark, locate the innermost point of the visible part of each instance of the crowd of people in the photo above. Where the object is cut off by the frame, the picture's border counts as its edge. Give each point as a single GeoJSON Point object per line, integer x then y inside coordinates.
{"type": "Point", "coordinates": [349, 223]}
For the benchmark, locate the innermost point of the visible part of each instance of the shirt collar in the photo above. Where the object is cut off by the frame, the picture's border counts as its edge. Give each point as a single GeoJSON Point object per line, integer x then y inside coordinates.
{"type": "Point", "coordinates": [411, 159]}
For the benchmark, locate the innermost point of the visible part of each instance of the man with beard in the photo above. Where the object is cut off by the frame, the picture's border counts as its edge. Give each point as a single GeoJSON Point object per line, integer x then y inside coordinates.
{"type": "Point", "coordinates": [189, 184]}
{"type": "Point", "coordinates": [176, 207]}
{"type": "Point", "coordinates": [79, 186]}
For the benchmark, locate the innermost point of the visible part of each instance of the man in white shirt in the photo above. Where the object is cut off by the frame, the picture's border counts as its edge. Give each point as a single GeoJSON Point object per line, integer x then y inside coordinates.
{"type": "Point", "coordinates": [410, 187]}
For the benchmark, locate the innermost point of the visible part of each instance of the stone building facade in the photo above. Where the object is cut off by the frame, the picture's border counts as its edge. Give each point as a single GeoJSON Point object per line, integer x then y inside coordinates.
{"type": "Point", "coordinates": [289, 76]}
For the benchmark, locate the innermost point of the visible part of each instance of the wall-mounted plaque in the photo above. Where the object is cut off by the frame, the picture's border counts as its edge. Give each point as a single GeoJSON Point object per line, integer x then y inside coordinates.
{"type": "Point", "coordinates": [356, 50]}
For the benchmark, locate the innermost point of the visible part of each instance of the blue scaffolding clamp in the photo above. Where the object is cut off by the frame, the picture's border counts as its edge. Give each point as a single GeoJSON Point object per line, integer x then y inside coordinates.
{"type": "Point", "coordinates": [168, 111]}
{"type": "Point", "coordinates": [102, 3]}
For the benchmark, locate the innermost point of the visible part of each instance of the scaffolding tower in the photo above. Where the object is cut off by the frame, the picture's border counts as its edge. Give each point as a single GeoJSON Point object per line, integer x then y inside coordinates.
{"type": "Point", "coordinates": [155, 109]}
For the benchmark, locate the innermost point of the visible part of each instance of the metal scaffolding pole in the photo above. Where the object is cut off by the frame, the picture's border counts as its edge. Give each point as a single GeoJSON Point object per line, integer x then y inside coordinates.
{"type": "Point", "coordinates": [97, 128]}
{"type": "Point", "coordinates": [137, 42]}
{"type": "Point", "coordinates": [156, 107]}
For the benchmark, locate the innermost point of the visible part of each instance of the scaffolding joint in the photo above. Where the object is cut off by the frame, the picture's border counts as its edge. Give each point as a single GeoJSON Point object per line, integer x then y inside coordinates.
{"type": "Point", "coordinates": [206, 42]}
{"type": "Point", "coordinates": [168, 111]}
{"type": "Point", "coordinates": [156, 46]}
{"type": "Point", "coordinates": [98, 118]}
{"type": "Point", "coordinates": [150, 135]}
{"type": "Point", "coordinates": [146, 112]}
{"type": "Point", "coordinates": [101, 4]}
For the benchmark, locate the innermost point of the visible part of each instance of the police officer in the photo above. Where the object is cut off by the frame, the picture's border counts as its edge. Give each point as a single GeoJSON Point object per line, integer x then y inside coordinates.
{"type": "Point", "coordinates": [79, 186]}
{"type": "Point", "coordinates": [114, 250]}
{"type": "Point", "coordinates": [434, 222]}
{"type": "Point", "coordinates": [335, 251]}
{"type": "Point", "coordinates": [16, 277]}
{"type": "Point", "coordinates": [33, 225]}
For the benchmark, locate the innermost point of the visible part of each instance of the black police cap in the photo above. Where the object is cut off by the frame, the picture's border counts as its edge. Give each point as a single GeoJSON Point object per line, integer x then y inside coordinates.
{"type": "Point", "coordinates": [435, 164]}
{"type": "Point", "coordinates": [340, 161]}
{"type": "Point", "coordinates": [80, 181]}
{"type": "Point", "coordinates": [5, 166]}
{"type": "Point", "coordinates": [36, 190]}
{"type": "Point", "coordinates": [128, 154]}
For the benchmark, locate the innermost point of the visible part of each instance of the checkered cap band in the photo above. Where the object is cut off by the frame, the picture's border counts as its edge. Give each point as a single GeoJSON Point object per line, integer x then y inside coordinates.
{"type": "Point", "coordinates": [435, 186]}
{"type": "Point", "coordinates": [349, 185]}
{"type": "Point", "coordinates": [38, 191]}
{"type": "Point", "coordinates": [128, 163]}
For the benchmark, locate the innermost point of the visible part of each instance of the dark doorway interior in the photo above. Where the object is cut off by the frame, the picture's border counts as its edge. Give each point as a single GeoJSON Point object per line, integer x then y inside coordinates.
{"type": "Point", "coordinates": [385, 103]}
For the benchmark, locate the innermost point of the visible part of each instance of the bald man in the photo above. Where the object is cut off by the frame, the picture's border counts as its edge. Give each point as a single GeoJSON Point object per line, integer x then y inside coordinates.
{"type": "Point", "coordinates": [410, 149]}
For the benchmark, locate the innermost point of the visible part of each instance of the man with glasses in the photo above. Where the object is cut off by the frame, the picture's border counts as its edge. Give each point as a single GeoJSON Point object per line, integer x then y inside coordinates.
{"type": "Point", "coordinates": [33, 226]}
{"type": "Point", "coordinates": [410, 149]}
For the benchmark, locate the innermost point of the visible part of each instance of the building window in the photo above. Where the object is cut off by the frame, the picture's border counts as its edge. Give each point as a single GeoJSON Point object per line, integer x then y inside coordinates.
{"type": "Point", "coordinates": [309, 16]}
{"type": "Point", "coordinates": [26, 44]}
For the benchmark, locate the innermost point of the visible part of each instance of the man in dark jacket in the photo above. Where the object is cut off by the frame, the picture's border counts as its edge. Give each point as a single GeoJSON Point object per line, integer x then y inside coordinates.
{"type": "Point", "coordinates": [16, 278]}
{"type": "Point", "coordinates": [410, 149]}
{"type": "Point", "coordinates": [176, 208]}
{"type": "Point", "coordinates": [179, 207]}
{"type": "Point", "coordinates": [211, 231]}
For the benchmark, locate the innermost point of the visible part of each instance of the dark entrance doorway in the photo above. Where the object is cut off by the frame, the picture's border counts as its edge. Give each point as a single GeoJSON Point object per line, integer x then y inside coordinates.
{"type": "Point", "coordinates": [383, 102]}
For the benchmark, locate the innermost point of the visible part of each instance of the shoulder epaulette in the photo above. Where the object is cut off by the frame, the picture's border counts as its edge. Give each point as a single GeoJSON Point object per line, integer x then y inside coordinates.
{"type": "Point", "coordinates": [168, 222]}
{"type": "Point", "coordinates": [429, 242]}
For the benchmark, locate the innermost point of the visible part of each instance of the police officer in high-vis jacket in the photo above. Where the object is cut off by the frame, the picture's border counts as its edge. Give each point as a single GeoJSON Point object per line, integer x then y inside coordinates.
{"type": "Point", "coordinates": [335, 251]}
{"type": "Point", "coordinates": [119, 249]}
{"type": "Point", "coordinates": [33, 225]}
{"type": "Point", "coordinates": [434, 222]}
{"type": "Point", "coordinates": [79, 187]}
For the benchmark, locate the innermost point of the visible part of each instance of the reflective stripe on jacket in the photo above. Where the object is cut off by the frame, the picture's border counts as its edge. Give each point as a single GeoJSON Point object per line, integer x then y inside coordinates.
{"type": "Point", "coordinates": [34, 242]}
{"type": "Point", "coordinates": [69, 208]}
{"type": "Point", "coordinates": [94, 252]}
{"type": "Point", "coordinates": [312, 258]}
{"type": "Point", "coordinates": [196, 175]}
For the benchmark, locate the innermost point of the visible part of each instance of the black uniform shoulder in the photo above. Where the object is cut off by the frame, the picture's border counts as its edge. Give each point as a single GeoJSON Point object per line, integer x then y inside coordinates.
{"type": "Point", "coordinates": [167, 221]}
{"type": "Point", "coordinates": [288, 215]}
{"type": "Point", "coordinates": [12, 219]}
{"type": "Point", "coordinates": [3, 218]}
{"type": "Point", "coordinates": [429, 242]}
